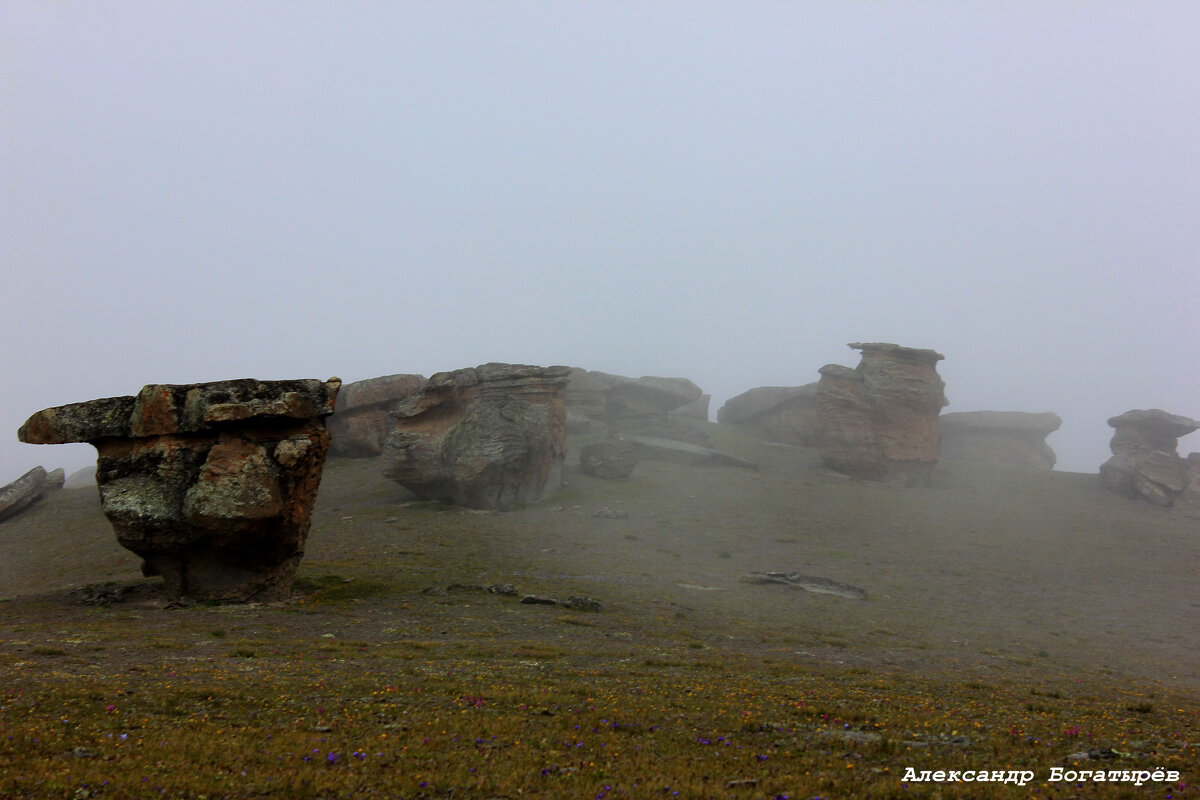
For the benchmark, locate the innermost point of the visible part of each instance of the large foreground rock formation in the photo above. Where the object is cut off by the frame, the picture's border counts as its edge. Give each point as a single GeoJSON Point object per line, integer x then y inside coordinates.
{"type": "Point", "coordinates": [27, 489]}
{"type": "Point", "coordinates": [1007, 438]}
{"type": "Point", "coordinates": [360, 421]}
{"type": "Point", "coordinates": [212, 484]}
{"type": "Point", "coordinates": [488, 437]}
{"type": "Point", "coordinates": [785, 414]}
{"type": "Point", "coordinates": [1146, 463]}
{"type": "Point", "coordinates": [879, 421]}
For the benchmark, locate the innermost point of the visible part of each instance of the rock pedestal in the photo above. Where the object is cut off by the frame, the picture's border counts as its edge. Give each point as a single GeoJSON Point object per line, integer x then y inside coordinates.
{"type": "Point", "coordinates": [487, 437]}
{"type": "Point", "coordinates": [785, 414]}
{"type": "Point", "coordinates": [879, 421]}
{"type": "Point", "coordinates": [212, 484]}
{"type": "Point", "coordinates": [1007, 438]}
{"type": "Point", "coordinates": [360, 421]}
{"type": "Point", "coordinates": [1146, 463]}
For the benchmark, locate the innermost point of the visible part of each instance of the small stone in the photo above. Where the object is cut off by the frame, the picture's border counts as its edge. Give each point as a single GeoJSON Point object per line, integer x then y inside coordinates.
{"type": "Point", "coordinates": [579, 603]}
{"type": "Point", "coordinates": [538, 600]}
{"type": "Point", "coordinates": [611, 513]}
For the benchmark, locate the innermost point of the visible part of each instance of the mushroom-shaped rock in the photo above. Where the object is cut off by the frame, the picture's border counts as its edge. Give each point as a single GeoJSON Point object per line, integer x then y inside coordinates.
{"type": "Point", "coordinates": [1010, 438]}
{"type": "Point", "coordinates": [785, 414]}
{"type": "Point", "coordinates": [484, 437]}
{"type": "Point", "coordinates": [1145, 462]}
{"type": "Point", "coordinates": [212, 484]}
{"type": "Point", "coordinates": [879, 420]}
{"type": "Point", "coordinates": [360, 421]}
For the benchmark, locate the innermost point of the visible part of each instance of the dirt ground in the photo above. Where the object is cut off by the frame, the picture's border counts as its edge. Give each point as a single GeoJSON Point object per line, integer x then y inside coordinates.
{"type": "Point", "coordinates": [988, 571]}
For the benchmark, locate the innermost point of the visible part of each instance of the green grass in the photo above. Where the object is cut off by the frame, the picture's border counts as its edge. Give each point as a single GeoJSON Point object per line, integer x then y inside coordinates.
{"type": "Point", "coordinates": [311, 726]}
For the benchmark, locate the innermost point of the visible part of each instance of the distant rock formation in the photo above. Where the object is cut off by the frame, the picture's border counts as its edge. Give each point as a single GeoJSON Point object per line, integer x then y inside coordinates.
{"type": "Point", "coordinates": [598, 400]}
{"type": "Point", "coordinates": [785, 414]}
{"type": "Point", "coordinates": [1146, 463]}
{"type": "Point", "coordinates": [879, 421]}
{"type": "Point", "coordinates": [488, 437]}
{"type": "Point", "coordinates": [360, 421]}
{"type": "Point", "coordinates": [1007, 438]}
{"type": "Point", "coordinates": [82, 478]}
{"type": "Point", "coordinates": [212, 484]}
{"type": "Point", "coordinates": [28, 489]}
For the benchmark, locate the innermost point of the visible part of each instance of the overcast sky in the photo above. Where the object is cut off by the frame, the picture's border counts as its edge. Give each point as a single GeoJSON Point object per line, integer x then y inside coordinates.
{"type": "Point", "coordinates": [724, 191]}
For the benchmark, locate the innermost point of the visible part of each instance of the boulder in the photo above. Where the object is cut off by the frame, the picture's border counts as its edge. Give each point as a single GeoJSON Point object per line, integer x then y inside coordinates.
{"type": "Point", "coordinates": [23, 492]}
{"type": "Point", "coordinates": [487, 437]}
{"type": "Point", "coordinates": [360, 421]}
{"type": "Point", "coordinates": [1145, 461]}
{"type": "Point", "coordinates": [612, 459]}
{"type": "Point", "coordinates": [212, 484]}
{"type": "Point", "coordinates": [879, 421]}
{"type": "Point", "coordinates": [785, 414]}
{"type": "Point", "coordinates": [614, 400]}
{"type": "Point", "coordinates": [1008, 438]}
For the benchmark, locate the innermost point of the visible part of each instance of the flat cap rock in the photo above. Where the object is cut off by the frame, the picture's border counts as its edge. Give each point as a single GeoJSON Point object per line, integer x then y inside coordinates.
{"type": "Point", "coordinates": [1014, 421]}
{"type": "Point", "coordinates": [1157, 420]}
{"type": "Point", "coordinates": [161, 409]}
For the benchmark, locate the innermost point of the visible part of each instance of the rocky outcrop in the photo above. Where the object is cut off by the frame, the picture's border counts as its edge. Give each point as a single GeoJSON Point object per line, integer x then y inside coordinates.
{"type": "Point", "coordinates": [1007, 438]}
{"type": "Point", "coordinates": [1146, 463]}
{"type": "Point", "coordinates": [211, 484]}
{"type": "Point", "coordinates": [598, 400]}
{"type": "Point", "coordinates": [28, 489]}
{"type": "Point", "coordinates": [879, 421]}
{"type": "Point", "coordinates": [611, 459]}
{"type": "Point", "coordinates": [488, 437]}
{"type": "Point", "coordinates": [360, 421]}
{"type": "Point", "coordinates": [785, 414]}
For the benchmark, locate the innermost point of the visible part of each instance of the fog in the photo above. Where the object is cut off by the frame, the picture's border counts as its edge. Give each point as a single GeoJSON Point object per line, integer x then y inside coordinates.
{"type": "Point", "coordinates": [728, 192]}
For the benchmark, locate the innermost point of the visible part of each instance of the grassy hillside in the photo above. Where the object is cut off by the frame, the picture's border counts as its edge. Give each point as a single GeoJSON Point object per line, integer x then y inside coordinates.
{"type": "Point", "coordinates": [1011, 621]}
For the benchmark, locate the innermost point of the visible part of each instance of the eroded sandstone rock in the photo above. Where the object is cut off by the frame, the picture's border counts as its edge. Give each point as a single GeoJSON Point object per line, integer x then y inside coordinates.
{"type": "Point", "coordinates": [1008, 438]}
{"type": "Point", "coordinates": [212, 484]}
{"type": "Point", "coordinates": [879, 420]}
{"type": "Point", "coordinates": [785, 414]}
{"type": "Point", "coordinates": [360, 422]}
{"type": "Point", "coordinates": [484, 437]}
{"type": "Point", "coordinates": [1145, 462]}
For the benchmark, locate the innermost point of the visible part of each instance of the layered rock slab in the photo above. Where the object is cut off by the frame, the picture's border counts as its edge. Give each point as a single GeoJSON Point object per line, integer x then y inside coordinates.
{"type": "Point", "coordinates": [786, 414]}
{"type": "Point", "coordinates": [212, 484]}
{"type": "Point", "coordinates": [485, 437]}
{"type": "Point", "coordinates": [1146, 464]}
{"type": "Point", "coordinates": [879, 421]}
{"type": "Point", "coordinates": [1006, 438]}
{"type": "Point", "coordinates": [360, 423]}
{"type": "Point", "coordinates": [615, 402]}
{"type": "Point", "coordinates": [15, 497]}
